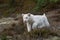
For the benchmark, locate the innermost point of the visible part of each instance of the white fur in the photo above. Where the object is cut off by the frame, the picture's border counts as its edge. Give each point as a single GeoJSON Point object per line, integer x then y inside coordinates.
{"type": "Point", "coordinates": [35, 21]}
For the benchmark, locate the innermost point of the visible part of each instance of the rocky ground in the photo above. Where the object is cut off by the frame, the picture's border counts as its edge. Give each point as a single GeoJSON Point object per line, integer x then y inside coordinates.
{"type": "Point", "coordinates": [14, 29]}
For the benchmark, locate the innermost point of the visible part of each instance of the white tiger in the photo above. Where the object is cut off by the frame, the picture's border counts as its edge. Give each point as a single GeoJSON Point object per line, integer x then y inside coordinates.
{"type": "Point", "coordinates": [35, 21]}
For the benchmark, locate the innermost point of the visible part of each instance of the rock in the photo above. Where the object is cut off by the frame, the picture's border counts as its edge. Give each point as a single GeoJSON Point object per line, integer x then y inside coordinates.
{"type": "Point", "coordinates": [6, 23]}
{"type": "Point", "coordinates": [9, 37]}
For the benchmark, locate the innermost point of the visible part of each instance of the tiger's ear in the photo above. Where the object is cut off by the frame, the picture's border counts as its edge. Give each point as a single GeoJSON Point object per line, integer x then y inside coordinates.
{"type": "Point", "coordinates": [22, 14]}
{"type": "Point", "coordinates": [29, 14]}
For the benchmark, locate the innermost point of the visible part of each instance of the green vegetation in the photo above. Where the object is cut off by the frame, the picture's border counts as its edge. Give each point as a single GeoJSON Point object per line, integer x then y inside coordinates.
{"type": "Point", "coordinates": [4, 37]}
{"type": "Point", "coordinates": [26, 6]}
{"type": "Point", "coordinates": [40, 4]}
{"type": "Point", "coordinates": [43, 3]}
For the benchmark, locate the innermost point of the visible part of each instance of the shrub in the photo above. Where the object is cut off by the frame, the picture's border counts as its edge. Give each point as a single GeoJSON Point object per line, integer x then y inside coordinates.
{"type": "Point", "coordinates": [4, 37]}
{"type": "Point", "coordinates": [43, 3]}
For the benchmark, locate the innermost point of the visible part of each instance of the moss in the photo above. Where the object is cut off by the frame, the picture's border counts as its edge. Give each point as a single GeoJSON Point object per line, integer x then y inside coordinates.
{"type": "Point", "coordinates": [4, 37]}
